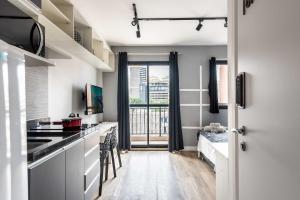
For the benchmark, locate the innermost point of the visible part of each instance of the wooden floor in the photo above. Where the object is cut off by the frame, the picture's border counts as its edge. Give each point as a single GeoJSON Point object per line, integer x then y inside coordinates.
{"type": "Point", "coordinates": [160, 175]}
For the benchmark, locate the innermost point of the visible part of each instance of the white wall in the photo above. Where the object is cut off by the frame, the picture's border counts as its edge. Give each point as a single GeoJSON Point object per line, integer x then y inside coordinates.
{"type": "Point", "coordinates": [36, 92]}
{"type": "Point", "coordinates": [66, 83]}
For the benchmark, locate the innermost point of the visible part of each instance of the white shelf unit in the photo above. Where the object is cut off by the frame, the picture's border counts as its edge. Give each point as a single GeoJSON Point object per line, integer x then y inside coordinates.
{"type": "Point", "coordinates": [98, 48]}
{"type": "Point", "coordinates": [52, 12]}
{"type": "Point", "coordinates": [31, 60]}
{"type": "Point", "coordinates": [57, 16]}
{"type": "Point", "coordinates": [86, 36]}
{"type": "Point", "coordinates": [61, 40]}
{"type": "Point", "coordinates": [201, 105]}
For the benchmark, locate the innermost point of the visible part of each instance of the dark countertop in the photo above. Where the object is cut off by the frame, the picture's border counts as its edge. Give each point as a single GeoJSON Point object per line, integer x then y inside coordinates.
{"type": "Point", "coordinates": [52, 137]}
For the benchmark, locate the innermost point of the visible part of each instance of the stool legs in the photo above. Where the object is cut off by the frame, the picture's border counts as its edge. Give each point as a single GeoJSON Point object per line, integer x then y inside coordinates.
{"type": "Point", "coordinates": [106, 168]}
{"type": "Point", "coordinates": [101, 175]}
{"type": "Point", "coordinates": [119, 156]}
{"type": "Point", "coordinates": [113, 161]}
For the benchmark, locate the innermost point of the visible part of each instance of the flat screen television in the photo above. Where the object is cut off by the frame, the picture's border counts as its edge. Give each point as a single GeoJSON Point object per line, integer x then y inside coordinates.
{"type": "Point", "coordinates": [94, 99]}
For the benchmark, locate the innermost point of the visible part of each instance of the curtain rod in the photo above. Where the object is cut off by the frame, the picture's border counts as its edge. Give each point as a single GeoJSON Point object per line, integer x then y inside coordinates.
{"type": "Point", "coordinates": [149, 54]}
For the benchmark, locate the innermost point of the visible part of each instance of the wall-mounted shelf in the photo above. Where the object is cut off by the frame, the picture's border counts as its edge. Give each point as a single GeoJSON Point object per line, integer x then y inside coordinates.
{"type": "Point", "coordinates": [54, 53]}
{"type": "Point", "coordinates": [61, 40]}
{"type": "Point", "coordinates": [31, 60]}
{"type": "Point", "coordinates": [37, 61]}
{"type": "Point", "coordinates": [190, 90]}
{"type": "Point", "coordinates": [51, 11]}
{"type": "Point", "coordinates": [191, 127]}
{"type": "Point", "coordinates": [190, 105]}
{"type": "Point", "coordinates": [58, 18]}
{"type": "Point", "coordinates": [61, 1]}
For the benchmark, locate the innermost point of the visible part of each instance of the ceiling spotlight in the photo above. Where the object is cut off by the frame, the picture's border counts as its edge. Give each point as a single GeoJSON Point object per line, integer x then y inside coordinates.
{"type": "Point", "coordinates": [138, 34]}
{"type": "Point", "coordinates": [226, 24]}
{"type": "Point", "coordinates": [199, 25]}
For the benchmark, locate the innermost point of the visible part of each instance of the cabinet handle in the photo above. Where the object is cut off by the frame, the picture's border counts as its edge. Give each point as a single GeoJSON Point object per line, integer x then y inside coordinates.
{"type": "Point", "coordinates": [45, 158]}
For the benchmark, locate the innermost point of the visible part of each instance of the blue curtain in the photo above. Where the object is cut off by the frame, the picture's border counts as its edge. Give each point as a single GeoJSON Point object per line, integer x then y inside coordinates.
{"type": "Point", "coordinates": [175, 129]}
{"type": "Point", "coordinates": [123, 102]}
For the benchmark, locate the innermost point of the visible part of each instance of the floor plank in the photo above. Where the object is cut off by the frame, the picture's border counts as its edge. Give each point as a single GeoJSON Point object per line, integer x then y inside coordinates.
{"type": "Point", "coordinates": [160, 175]}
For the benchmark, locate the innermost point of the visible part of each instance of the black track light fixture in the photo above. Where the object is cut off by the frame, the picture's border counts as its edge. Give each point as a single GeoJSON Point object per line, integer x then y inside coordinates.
{"type": "Point", "coordinates": [226, 23]}
{"type": "Point", "coordinates": [199, 25]}
{"type": "Point", "coordinates": [138, 34]}
{"type": "Point", "coordinates": [136, 20]}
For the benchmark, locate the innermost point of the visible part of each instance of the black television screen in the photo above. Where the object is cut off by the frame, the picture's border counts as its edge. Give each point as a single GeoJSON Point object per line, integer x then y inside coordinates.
{"type": "Point", "coordinates": [94, 99]}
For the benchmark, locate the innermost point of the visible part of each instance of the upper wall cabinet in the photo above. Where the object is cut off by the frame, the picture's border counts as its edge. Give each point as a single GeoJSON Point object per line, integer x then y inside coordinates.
{"type": "Point", "coordinates": [68, 37]}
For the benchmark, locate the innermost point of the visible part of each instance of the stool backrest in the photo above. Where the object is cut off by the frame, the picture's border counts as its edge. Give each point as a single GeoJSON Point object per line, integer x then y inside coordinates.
{"type": "Point", "coordinates": [114, 137]}
{"type": "Point", "coordinates": [107, 141]}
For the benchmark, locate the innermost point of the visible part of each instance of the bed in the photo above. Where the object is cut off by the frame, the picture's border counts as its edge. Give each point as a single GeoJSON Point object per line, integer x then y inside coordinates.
{"type": "Point", "coordinates": [207, 143]}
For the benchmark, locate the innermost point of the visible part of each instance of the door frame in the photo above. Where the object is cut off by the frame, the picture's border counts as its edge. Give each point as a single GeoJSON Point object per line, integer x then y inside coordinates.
{"type": "Point", "coordinates": [148, 63]}
{"type": "Point", "coordinates": [232, 52]}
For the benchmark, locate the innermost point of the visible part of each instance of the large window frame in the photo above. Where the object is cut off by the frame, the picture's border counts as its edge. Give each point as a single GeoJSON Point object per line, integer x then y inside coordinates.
{"type": "Point", "coordinates": [148, 64]}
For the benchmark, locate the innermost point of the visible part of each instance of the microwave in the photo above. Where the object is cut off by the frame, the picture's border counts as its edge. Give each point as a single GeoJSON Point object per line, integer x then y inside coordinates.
{"type": "Point", "coordinates": [20, 30]}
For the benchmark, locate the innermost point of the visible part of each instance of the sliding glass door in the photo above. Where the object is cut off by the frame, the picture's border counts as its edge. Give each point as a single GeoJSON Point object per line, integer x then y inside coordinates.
{"type": "Point", "coordinates": [149, 103]}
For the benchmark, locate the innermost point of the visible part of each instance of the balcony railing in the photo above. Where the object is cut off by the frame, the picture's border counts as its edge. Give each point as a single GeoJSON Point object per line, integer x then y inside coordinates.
{"type": "Point", "coordinates": [158, 119]}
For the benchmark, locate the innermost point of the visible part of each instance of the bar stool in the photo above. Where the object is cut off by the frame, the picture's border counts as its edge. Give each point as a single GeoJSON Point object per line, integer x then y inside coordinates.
{"type": "Point", "coordinates": [113, 145]}
{"type": "Point", "coordinates": [104, 155]}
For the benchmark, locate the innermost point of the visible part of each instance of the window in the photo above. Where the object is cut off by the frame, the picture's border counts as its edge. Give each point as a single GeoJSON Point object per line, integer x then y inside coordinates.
{"type": "Point", "coordinates": [222, 78]}
{"type": "Point", "coordinates": [149, 103]}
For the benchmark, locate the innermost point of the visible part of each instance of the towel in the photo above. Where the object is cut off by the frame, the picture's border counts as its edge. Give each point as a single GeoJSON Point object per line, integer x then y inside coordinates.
{"type": "Point", "coordinates": [215, 128]}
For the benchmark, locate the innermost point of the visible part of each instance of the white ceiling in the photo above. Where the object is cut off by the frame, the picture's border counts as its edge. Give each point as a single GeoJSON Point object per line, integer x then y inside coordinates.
{"type": "Point", "coordinates": [112, 20]}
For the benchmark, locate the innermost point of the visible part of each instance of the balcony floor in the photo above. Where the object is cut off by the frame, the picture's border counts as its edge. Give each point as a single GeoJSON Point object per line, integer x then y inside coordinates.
{"type": "Point", "coordinates": [154, 139]}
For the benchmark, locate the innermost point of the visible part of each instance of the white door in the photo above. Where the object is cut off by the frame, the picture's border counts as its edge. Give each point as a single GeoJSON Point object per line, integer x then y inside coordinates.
{"type": "Point", "coordinates": [268, 48]}
{"type": "Point", "coordinates": [13, 144]}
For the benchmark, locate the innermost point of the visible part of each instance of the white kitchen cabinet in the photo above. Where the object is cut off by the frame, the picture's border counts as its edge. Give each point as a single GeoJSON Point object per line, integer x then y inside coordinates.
{"type": "Point", "coordinates": [222, 181]}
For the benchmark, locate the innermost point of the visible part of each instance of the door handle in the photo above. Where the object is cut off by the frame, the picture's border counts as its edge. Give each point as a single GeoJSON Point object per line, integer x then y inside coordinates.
{"type": "Point", "coordinates": [241, 131]}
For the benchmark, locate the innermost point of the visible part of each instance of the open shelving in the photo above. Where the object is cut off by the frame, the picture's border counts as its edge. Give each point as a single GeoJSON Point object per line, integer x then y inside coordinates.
{"type": "Point", "coordinates": [61, 40]}
{"type": "Point", "coordinates": [53, 12]}
{"type": "Point", "coordinates": [57, 16]}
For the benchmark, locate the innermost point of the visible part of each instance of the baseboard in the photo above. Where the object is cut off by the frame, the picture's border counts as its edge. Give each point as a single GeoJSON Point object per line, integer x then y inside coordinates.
{"type": "Point", "coordinates": [190, 148]}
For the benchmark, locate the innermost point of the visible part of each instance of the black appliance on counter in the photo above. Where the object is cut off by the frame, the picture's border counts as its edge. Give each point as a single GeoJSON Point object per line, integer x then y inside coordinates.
{"type": "Point", "coordinates": [19, 29]}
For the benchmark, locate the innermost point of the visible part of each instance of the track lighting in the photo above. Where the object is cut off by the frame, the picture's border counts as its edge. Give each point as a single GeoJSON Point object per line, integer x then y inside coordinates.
{"type": "Point", "coordinates": [138, 34]}
{"type": "Point", "coordinates": [226, 24]}
{"type": "Point", "coordinates": [199, 25]}
{"type": "Point", "coordinates": [136, 20]}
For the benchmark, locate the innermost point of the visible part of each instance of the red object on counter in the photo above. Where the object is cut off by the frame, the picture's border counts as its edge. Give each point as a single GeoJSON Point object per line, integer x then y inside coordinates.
{"type": "Point", "coordinates": [72, 121]}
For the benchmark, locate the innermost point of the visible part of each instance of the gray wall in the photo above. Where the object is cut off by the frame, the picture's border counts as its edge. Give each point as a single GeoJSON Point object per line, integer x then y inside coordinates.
{"type": "Point", "coordinates": [190, 60]}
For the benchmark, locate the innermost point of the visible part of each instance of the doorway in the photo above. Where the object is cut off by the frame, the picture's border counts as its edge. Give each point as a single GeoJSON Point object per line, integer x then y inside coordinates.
{"type": "Point", "coordinates": [149, 104]}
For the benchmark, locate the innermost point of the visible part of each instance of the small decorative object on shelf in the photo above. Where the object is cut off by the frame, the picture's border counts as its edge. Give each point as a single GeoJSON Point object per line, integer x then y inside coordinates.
{"type": "Point", "coordinates": [77, 37]}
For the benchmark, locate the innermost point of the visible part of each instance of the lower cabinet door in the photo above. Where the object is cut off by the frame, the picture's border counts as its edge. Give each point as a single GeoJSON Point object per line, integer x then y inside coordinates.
{"type": "Point", "coordinates": [75, 171]}
{"type": "Point", "coordinates": [92, 192]}
{"type": "Point", "coordinates": [47, 177]}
